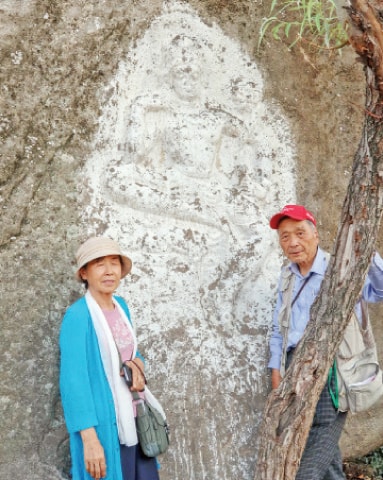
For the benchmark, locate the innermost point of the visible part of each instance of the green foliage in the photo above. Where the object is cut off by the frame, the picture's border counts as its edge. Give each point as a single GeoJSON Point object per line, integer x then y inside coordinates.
{"type": "Point", "coordinates": [313, 20]}
{"type": "Point", "coordinates": [375, 460]}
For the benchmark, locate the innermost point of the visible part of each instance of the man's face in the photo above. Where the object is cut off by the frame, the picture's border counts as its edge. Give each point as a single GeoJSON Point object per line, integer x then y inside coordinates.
{"type": "Point", "coordinates": [299, 242]}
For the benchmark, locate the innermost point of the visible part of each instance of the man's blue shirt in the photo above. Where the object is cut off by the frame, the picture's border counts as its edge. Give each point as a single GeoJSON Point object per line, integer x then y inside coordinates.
{"type": "Point", "coordinates": [300, 313]}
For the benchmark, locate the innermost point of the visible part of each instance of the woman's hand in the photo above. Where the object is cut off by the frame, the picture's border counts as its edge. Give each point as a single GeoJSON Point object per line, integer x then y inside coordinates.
{"type": "Point", "coordinates": [137, 367]}
{"type": "Point", "coordinates": [94, 456]}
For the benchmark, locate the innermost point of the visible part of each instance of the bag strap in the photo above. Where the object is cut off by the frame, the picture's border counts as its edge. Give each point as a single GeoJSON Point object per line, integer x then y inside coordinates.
{"type": "Point", "coordinates": [299, 291]}
{"type": "Point", "coordinates": [332, 375]}
{"type": "Point", "coordinates": [366, 327]}
{"type": "Point", "coordinates": [134, 394]}
{"type": "Point", "coordinates": [285, 311]}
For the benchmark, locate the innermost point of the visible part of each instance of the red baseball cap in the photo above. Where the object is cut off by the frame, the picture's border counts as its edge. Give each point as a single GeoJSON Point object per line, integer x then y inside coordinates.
{"type": "Point", "coordinates": [296, 212]}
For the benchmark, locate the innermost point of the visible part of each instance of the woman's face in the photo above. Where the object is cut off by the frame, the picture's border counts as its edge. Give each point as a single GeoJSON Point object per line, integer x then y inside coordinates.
{"type": "Point", "coordinates": [102, 274]}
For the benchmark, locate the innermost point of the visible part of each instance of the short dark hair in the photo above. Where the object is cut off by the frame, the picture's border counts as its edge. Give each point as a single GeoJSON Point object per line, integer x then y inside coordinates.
{"type": "Point", "coordinates": [84, 282]}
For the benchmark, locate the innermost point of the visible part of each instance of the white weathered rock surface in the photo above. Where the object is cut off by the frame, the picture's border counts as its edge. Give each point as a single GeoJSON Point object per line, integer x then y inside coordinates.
{"type": "Point", "coordinates": [157, 123]}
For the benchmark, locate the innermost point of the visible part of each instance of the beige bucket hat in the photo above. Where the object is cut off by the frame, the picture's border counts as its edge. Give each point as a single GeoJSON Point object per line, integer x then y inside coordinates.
{"type": "Point", "coordinates": [97, 247]}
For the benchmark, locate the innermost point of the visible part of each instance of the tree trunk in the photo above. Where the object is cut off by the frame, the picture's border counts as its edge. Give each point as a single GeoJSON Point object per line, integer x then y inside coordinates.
{"type": "Point", "coordinates": [289, 410]}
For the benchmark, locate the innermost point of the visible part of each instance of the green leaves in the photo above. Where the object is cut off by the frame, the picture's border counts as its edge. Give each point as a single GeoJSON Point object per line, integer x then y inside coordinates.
{"type": "Point", "coordinates": [315, 21]}
{"type": "Point", "coordinates": [375, 459]}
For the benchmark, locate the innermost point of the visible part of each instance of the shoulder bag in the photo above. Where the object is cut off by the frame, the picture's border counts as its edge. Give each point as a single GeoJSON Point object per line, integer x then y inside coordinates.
{"type": "Point", "coordinates": [359, 377]}
{"type": "Point", "coordinates": [152, 428]}
{"type": "Point", "coordinates": [151, 425]}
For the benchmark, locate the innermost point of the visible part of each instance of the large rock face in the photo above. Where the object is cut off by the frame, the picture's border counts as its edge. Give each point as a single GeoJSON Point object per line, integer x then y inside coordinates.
{"type": "Point", "coordinates": [160, 125]}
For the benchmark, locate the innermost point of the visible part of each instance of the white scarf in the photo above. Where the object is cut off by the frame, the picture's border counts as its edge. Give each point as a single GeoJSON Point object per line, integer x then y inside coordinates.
{"type": "Point", "coordinates": [110, 358]}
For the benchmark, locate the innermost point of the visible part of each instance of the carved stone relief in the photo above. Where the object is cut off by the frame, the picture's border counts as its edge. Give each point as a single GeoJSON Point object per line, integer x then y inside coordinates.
{"type": "Point", "coordinates": [188, 166]}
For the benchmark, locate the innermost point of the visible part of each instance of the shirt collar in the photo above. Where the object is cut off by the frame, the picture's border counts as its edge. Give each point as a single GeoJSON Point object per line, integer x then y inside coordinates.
{"type": "Point", "coordinates": [318, 267]}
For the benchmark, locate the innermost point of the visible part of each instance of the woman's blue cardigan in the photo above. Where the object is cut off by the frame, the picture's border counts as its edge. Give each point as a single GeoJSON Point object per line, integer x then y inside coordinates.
{"type": "Point", "coordinates": [85, 393]}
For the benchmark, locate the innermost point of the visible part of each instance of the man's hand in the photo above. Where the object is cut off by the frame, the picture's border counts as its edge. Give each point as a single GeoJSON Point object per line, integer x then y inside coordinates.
{"type": "Point", "coordinates": [94, 456]}
{"type": "Point", "coordinates": [275, 378]}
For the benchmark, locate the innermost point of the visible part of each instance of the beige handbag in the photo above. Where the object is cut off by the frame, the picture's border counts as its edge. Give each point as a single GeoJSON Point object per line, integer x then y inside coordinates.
{"type": "Point", "coordinates": [359, 377]}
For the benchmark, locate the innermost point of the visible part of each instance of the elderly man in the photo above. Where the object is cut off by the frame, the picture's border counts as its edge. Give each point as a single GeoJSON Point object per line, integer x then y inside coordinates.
{"type": "Point", "coordinates": [299, 240]}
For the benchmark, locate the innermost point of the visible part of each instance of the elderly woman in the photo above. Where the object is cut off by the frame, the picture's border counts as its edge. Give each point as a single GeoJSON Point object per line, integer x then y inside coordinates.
{"type": "Point", "coordinates": [96, 336]}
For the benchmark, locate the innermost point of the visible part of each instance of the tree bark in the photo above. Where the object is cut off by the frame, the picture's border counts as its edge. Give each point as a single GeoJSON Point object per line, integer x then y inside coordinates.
{"type": "Point", "coordinates": [290, 409]}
